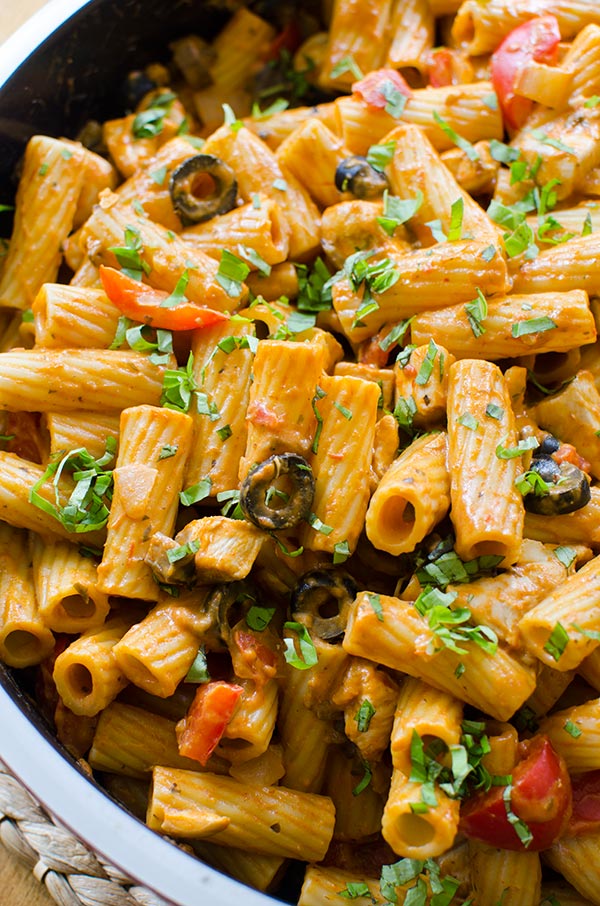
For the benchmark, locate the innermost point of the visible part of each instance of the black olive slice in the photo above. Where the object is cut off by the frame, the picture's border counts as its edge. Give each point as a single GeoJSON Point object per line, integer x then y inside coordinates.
{"type": "Point", "coordinates": [355, 174]}
{"type": "Point", "coordinates": [568, 488]}
{"type": "Point", "coordinates": [325, 596]}
{"type": "Point", "coordinates": [278, 493]}
{"type": "Point", "coordinates": [227, 604]}
{"type": "Point", "coordinates": [202, 187]}
{"type": "Point", "coordinates": [548, 445]}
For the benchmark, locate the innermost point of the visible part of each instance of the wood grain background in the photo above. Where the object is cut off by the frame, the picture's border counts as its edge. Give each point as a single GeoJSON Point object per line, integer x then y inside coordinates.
{"type": "Point", "coordinates": [18, 887]}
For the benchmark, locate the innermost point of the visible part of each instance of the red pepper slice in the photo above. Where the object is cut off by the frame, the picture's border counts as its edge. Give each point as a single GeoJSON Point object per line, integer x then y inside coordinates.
{"type": "Point", "coordinates": [540, 797]}
{"type": "Point", "coordinates": [586, 804]}
{"type": "Point", "coordinates": [537, 40]}
{"type": "Point", "coordinates": [142, 303]}
{"type": "Point", "coordinates": [374, 89]}
{"type": "Point", "coordinates": [200, 731]}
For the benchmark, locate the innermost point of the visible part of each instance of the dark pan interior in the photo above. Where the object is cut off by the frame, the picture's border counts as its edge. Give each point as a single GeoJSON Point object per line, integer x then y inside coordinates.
{"type": "Point", "coordinates": [78, 73]}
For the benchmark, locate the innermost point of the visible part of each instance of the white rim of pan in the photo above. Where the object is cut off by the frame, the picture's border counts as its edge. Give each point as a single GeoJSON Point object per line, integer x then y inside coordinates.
{"type": "Point", "coordinates": [51, 779]}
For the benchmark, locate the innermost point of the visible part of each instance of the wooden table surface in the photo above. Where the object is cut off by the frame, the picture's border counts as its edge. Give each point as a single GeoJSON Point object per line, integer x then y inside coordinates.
{"type": "Point", "coordinates": [18, 887]}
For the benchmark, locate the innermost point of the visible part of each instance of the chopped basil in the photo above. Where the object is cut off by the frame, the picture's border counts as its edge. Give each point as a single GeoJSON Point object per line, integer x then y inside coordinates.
{"type": "Point", "coordinates": [491, 101]}
{"type": "Point", "coordinates": [231, 504]}
{"type": "Point", "coordinates": [224, 433]}
{"type": "Point", "coordinates": [557, 642]}
{"type": "Point", "coordinates": [87, 508]}
{"type": "Point", "coordinates": [198, 672]}
{"type": "Point", "coordinates": [521, 240]}
{"type": "Point", "coordinates": [341, 552]}
{"type": "Point", "coordinates": [566, 555]}
{"type": "Point", "coordinates": [449, 626]}
{"type": "Point", "coordinates": [178, 296]}
{"type": "Point", "coordinates": [379, 156]}
{"type": "Point", "coordinates": [504, 154]}
{"type": "Point", "coordinates": [251, 255]}
{"type": "Point", "coordinates": [354, 890]}
{"type": "Point", "coordinates": [307, 657]}
{"type": "Point", "coordinates": [150, 122]}
{"type": "Point", "coordinates": [572, 729]}
{"type": "Point", "coordinates": [318, 525]}
{"type": "Point", "coordinates": [541, 136]}
{"type": "Point", "coordinates": [363, 715]}
{"type": "Point", "coordinates": [426, 368]}
{"type": "Point", "coordinates": [278, 106]}
{"type": "Point", "coordinates": [397, 211]}
{"type": "Point", "coordinates": [280, 184]}
{"type": "Point", "coordinates": [231, 273]}
{"type": "Point", "coordinates": [531, 482]}
{"type": "Point", "coordinates": [258, 618]}
{"type": "Point", "coordinates": [477, 313]}
{"type": "Point", "coordinates": [230, 118]}
{"type": "Point", "coordinates": [458, 140]}
{"type": "Point", "coordinates": [167, 451]}
{"type": "Point", "coordinates": [592, 101]}
{"type": "Point", "coordinates": [319, 395]}
{"type": "Point", "coordinates": [343, 410]}
{"type": "Point", "coordinates": [529, 443]}
{"type": "Point", "coordinates": [533, 325]}
{"type": "Point", "coordinates": [347, 64]}
{"type": "Point", "coordinates": [396, 334]}
{"type": "Point", "coordinates": [196, 492]}
{"type": "Point", "coordinates": [404, 413]}
{"type": "Point", "coordinates": [396, 100]}
{"type": "Point", "coordinates": [43, 169]}
{"type": "Point", "coordinates": [175, 554]}
{"type": "Point", "coordinates": [159, 176]}
{"type": "Point", "coordinates": [129, 256]}
{"type": "Point", "coordinates": [468, 421]}
{"type": "Point", "coordinates": [442, 566]}
{"type": "Point", "coordinates": [488, 252]}
{"type": "Point", "coordinates": [521, 828]}
{"type": "Point", "coordinates": [366, 779]}
{"type": "Point", "coordinates": [375, 602]}
{"type": "Point", "coordinates": [314, 287]}
{"type": "Point", "coordinates": [494, 411]}
{"type": "Point", "coordinates": [27, 316]}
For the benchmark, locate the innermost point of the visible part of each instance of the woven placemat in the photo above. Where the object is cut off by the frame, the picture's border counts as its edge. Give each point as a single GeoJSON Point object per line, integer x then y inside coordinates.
{"type": "Point", "coordinates": [71, 873]}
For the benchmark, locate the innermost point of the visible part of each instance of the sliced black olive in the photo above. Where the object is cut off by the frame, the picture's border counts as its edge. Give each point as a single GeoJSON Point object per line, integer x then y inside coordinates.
{"type": "Point", "coordinates": [202, 187]}
{"type": "Point", "coordinates": [356, 175]}
{"type": "Point", "coordinates": [568, 488]}
{"type": "Point", "coordinates": [278, 492]}
{"type": "Point", "coordinates": [137, 85]}
{"type": "Point", "coordinates": [325, 596]}
{"type": "Point", "coordinates": [548, 445]}
{"type": "Point", "coordinates": [227, 605]}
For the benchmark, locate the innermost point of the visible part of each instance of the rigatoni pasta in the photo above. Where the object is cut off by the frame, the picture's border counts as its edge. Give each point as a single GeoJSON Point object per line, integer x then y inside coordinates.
{"type": "Point", "coordinates": [299, 449]}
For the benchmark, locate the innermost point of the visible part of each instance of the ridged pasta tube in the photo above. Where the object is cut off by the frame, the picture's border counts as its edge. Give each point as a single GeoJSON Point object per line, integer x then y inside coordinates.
{"type": "Point", "coordinates": [411, 498]}
{"type": "Point", "coordinates": [271, 820]}
{"type": "Point", "coordinates": [146, 497]}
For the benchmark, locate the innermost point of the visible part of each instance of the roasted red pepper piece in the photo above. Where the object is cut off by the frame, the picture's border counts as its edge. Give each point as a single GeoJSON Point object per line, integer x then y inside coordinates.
{"type": "Point", "coordinates": [142, 303]}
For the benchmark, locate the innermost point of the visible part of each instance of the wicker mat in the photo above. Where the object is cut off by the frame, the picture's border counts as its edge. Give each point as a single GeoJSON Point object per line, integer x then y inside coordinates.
{"type": "Point", "coordinates": [71, 873]}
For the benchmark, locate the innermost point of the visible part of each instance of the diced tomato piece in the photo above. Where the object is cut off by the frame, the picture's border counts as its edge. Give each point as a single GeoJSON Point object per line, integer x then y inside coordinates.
{"type": "Point", "coordinates": [376, 87]}
{"type": "Point", "coordinates": [254, 654]}
{"type": "Point", "coordinates": [448, 67]}
{"type": "Point", "coordinates": [142, 303]}
{"type": "Point", "coordinates": [538, 40]}
{"type": "Point", "coordinates": [586, 804]}
{"type": "Point", "coordinates": [200, 731]}
{"type": "Point", "coordinates": [568, 453]}
{"type": "Point", "coordinates": [540, 798]}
